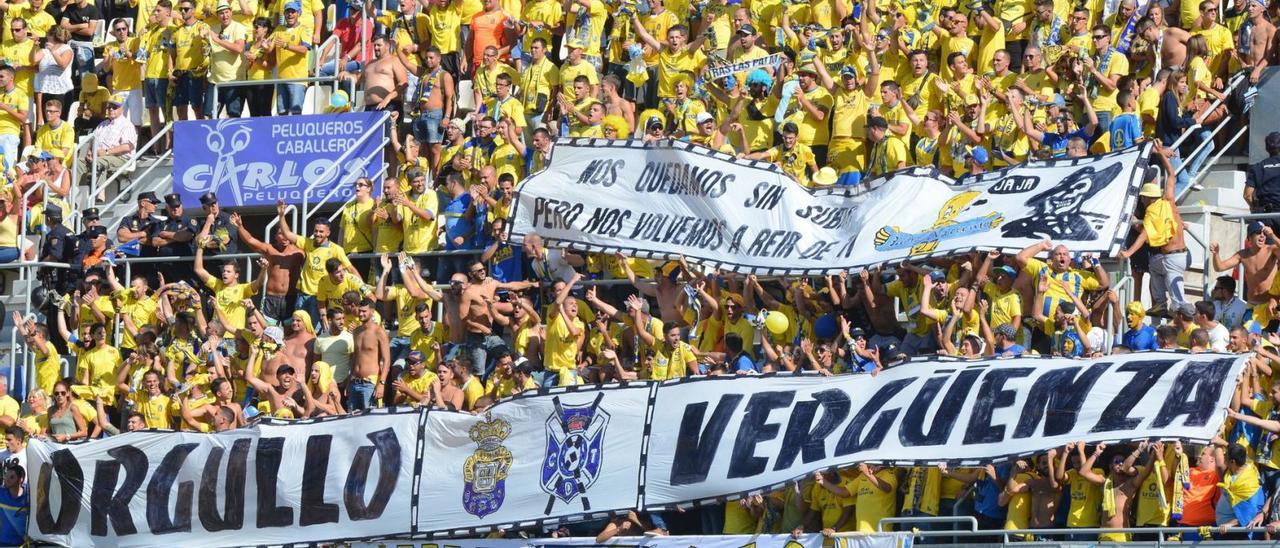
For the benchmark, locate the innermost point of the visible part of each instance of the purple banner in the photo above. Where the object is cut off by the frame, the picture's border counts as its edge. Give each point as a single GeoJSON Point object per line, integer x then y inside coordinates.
{"type": "Point", "coordinates": [254, 161]}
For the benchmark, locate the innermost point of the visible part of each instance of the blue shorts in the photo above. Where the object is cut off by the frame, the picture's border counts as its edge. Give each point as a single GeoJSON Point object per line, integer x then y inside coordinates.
{"type": "Point", "coordinates": [155, 91]}
{"type": "Point", "coordinates": [189, 90]}
{"type": "Point", "coordinates": [426, 129]}
{"type": "Point", "coordinates": [849, 179]}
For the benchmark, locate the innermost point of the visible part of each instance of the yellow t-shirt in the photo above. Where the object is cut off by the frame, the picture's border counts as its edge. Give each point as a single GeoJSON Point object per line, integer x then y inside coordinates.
{"type": "Point", "coordinates": [812, 130]}
{"type": "Point", "coordinates": [561, 352]}
{"type": "Point", "coordinates": [538, 79]}
{"type": "Point", "coordinates": [830, 504]}
{"type": "Point", "coordinates": [16, 55]}
{"type": "Point", "coordinates": [1019, 514]}
{"type": "Point", "coordinates": [923, 490]}
{"type": "Point", "coordinates": [290, 64]}
{"type": "Point", "coordinates": [59, 142]}
{"type": "Point", "coordinates": [1153, 500]}
{"type": "Point", "coordinates": [873, 504]}
{"type": "Point", "coordinates": [357, 232]}
{"type": "Point", "coordinates": [313, 267]}
{"type": "Point", "coordinates": [190, 48]}
{"type": "Point", "coordinates": [154, 409]}
{"type": "Point", "coordinates": [421, 384]}
{"type": "Point", "coordinates": [141, 311]}
{"type": "Point", "coordinates": [444, 24]}
{"type": "Point", "coordinates": [1086, 500]}
{"type": "Point", "coordinates": [226, 65]}
{"type": "Point", "coordinates": [9, 125]}
{"type": "Point", "coordinates": [101, 364]}
{"type": "Point", "coordinates": [49, 369]}
{"type": "Point", "coordinates": [9, 407]}
{"type": "Point", "coordinates": [794, 162]}
{"type": "Point", "coordinates": [1118, 65]}
{"type": "Point", "coordinates": [421, 235]}
{"type": "Point", "coordinates": [406, 316]}
{"type": "Point", "coordinates": [673, 64]}
{"type": "Point", "coordinates": [229, 298]}
{"type": "Point", "coordinates": [330, 293]}
{"type": "Point", "coordinates": [1004, 307]}
{"type": "Point", "coordinates": [157, 52]}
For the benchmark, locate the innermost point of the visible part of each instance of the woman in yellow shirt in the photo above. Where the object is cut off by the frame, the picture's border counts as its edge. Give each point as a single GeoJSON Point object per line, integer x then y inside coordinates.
{"type": "Point", "coordinates": [10, 216]}
{"type": "Point", "coordinates": [1199, 77]}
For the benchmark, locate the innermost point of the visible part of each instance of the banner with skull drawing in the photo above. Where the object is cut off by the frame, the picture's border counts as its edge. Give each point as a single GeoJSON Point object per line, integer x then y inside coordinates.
{"type": "Point", "coordinates": [581, 449]}
{"type": "Point", "coordinates": [671, 198]}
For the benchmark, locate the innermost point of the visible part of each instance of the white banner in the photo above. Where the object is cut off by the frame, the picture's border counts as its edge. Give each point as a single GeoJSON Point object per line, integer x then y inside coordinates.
{"type": "Point", "coordinates": [720, 71]}
{"type": "Point", "coordinates": [586, 453]}
{"type": "Point", "coordinates": [671, 198]}
{"type": "Point", "coordinates": [534, 459]}
{"type": "Point", "coordinates": [813, 540]}
{"type": "Point", "coordinates": [742, 435]}
{"type": "Point", "coordinates": [342, 478]}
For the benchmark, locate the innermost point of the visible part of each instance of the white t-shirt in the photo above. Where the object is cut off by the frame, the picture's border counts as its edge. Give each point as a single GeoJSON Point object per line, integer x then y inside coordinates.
{"type": "Point", "coordinates": [1219, 336]}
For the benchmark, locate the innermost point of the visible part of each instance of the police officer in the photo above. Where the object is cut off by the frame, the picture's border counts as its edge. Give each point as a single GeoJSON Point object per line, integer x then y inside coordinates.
{"type": "Point", "coordinates": [88, 218]}
{"type": "Point", "coordinates": [57, 246]}
{"type": "Point", "coordinates": [140, 225]}
{"type": "Point", "coordinates": [1262, 182]}
{"type": "Point", "coordinates": [174, 236]}
{"type": "Point", "coordinates": [223, 237]}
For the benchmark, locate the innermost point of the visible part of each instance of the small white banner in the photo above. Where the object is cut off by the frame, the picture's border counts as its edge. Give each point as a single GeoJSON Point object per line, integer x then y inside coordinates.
{"type": "Point", "coordinates": [720, 71]}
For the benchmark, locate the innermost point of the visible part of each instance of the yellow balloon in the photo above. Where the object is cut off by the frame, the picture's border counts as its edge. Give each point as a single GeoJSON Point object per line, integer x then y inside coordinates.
{"type": "Point", "coordinates": [776, 322]}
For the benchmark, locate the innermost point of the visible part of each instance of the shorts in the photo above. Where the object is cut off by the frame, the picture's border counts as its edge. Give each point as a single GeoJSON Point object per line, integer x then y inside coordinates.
{"type": "Point", "coordinates": [133, 105]}
{"type": "Point", "coordinates": [155, 92]}
{"type": "Point", "coordinates": [276, 307]}
{"type": "Point", "coordinates": [189, 90]}
{"type": "Point", "coordinates": [426, 128]}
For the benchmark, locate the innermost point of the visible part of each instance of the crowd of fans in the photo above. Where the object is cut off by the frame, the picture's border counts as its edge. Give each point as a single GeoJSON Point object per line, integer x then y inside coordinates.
{"type": "Point", "coordinates": [347, 316]}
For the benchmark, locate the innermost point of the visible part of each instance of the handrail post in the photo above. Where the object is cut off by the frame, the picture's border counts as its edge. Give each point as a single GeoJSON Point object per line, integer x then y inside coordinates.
{"type": "Point", "coordinates": [328, 171]}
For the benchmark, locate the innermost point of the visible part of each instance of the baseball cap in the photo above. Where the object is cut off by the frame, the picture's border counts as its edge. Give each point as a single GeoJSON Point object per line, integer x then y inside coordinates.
{"type": "Point", "coordinates": [208, 199]}
{"type": "Point", "coordinates": [704, 116]}
{"type": "Point", "coordinates": [938, 276]}
{"type": "Point", "coordinates": [415, 357]}
{"type": "Point", "coordinates": [173, 200]}
{"type": "Point", "coordinates": [1255, 227]}
{"type": "Point", "coordinates": [1149, 190]}
{"type": "Point", "coordinates": [1186, 309]}
{"type": "Point", "coordinates": [653, 122]}
{"type": "Point", "coordinates": [293, 5]}
{"type": "Point", "coordinates": [979, 154]}
{"type": "Point", "coordinates": [809, 68]}
{"type": "Point", "coordinates": [971, 99]}
{"type": "Point", "coordinates": [849, 70]}
{"type": "Point", "coordinates": [118, 99]}
{"type": "Point", "coordinates": [274, 334]}
{"type": "Point", "coordinates": [1007, 270]}
{"type": "Point", "coordinates": [747, 30]}
{"type": "Point", "coordinates": [149, 196]}
{"type": "Point", "coordinates": [1273, 139]}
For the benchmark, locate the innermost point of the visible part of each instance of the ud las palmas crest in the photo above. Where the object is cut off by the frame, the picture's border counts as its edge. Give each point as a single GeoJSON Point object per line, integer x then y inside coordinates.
{"type": "Point", "coordinates": [485, 472]}
{"type": "Point", "coordinates": [945, 228]}
{"type": "Point", "coordinates": [575, 451]}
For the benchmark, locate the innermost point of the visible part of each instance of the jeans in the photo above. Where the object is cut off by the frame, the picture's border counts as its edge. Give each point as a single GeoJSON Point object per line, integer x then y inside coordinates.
{"type": "Point", "coordinates": [426, 127]}
{"type": "Point", "coordinates": [359, 395]}
{"type": "Point", "coordinates": [311, 306]}
{"type": "Point", "coordinates": [917, 345]}
{"type": "Point", "coordinates": [1104, 124]}
{"type": "Point", "coordinates": [478, 348]}
{"type": "Point", "coordinates": [289, 98]}
{"type": "Point", "coordinates": [399, 348]}
{"type": "Point", "coordinates": [83, 61]}
{"type": "Point", "coordinates": [1167, 277]}
{"type": "Point", "coordinates": [329, 69]}
{"type": "Point", "coordinates": [231, 98]}
{"type": "Point", "coordinates": [1197, 161]}
{"type": "Point", "coordinates": [9, 147]}
{"type": "Point", "coordinates": [8, 254]}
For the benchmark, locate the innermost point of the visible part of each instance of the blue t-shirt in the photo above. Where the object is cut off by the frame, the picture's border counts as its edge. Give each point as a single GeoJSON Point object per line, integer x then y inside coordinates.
{"type": "Point", "coordinates": [456, 224]}
{"type": "Point", "coordinates": [861, 364]}
{"type": "Point", "coordinates": [1015, 350]}
{"type": "Point", "coordinates": [743, 363]}
{"type": "Point", "coordinates": [1125, 129]}
{"type": "Point", "coordinates": [507, 263]}
{"type": "Point", "coordinates": [13, 517]}
{"type": "Point", "coordinates": [1058, 142]}
{"type": "Point", "coordinates": [1143, 338]}
{"type": "Point", "coordinates": [986, 500]}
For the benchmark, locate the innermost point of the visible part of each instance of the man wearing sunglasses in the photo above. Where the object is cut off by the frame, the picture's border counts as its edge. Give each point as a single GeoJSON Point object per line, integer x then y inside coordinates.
{"type": "Point", "coordinates": [120, 59]}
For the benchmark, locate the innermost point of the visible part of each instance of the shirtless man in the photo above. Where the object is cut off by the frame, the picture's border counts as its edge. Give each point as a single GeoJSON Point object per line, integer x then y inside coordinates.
{"type": "Point", "coordinates": [272, 342]}
{"type": "Point", "coordinates": [1253, 43]}
{"type": "Point", "coordinates": [383, 79]}
{"type": "Point", "coordinates": [1169, 43]}
{"type": "Point", "coordinates": [1125, 480]}
{"type": "Point", "coordinates": [434, 104]}
{"type": "Point", "coordinates": [1259, 260]}
{"type": "Point", "coordinates": [283, 393]}
{"type": "Point", "coordinates": [479, 308]}
{"type": "Point", "coordinates": [370, 362]}
{"type": "Point", "coordinates": [615, 103]}
{"type": "Point", "coordinates": [670, 294]}
{"type": "Point", "coordinates": [453, 312]}
{"type": "Point", "coordinates": [298, 341]}
{"type": "Point", "coordinates": [284, 264]}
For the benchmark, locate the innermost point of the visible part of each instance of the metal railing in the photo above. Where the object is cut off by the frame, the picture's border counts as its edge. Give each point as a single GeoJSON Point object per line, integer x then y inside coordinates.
{"type": "Point", "coordinates": [1237, 80]}
{"type": "Point", "coordinates": [273, 81]}
{"type": "Point", "coordinates": [379, 128]}
{"type": "Point", "coordinates": [75, 167]}
{"type": "Point", "coordinates": [1161, 533]}
{"type": "Point", "coordinates": [128, 167]}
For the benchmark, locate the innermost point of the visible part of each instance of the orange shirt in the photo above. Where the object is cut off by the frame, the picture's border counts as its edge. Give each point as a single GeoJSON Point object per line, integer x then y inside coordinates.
{"type": "Point", "coordinates": [1197, 507]}
{"type": "Point", "coordinates": [486, 30]}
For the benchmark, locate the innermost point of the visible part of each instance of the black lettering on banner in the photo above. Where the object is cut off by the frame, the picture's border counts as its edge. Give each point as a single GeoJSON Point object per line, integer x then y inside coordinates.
{"type": "Point", "coordinates": [1116, 415]}
{"type": "Point", "coordinates": [315, 469]}
{"type": "Point", "coordinates": [232, 517]}
{"type": "Point", "coordinates": [683, 178]}
{"type": "Point", "coordinates": [765, 196]}
{"type": "Point", "coordinates": [774, 243]}
{"type": "Point", "coordinates": [696, 446]}
{"type": "Point", "coordinates": [267, 468]}
{"type": "Point", "coordinates": [71, 486]}
{"type": "Point", "coordinates": [753, 430]}
{"type": "Point", "coordinates": [387, 446]}
{"type": "Point", "coordinates": [800, 437]}
{"type": "Point", "coordinates": [735, 242]}
{"type": "Point", "coordinates": [944, 419]}
{"type": "Point", "coordinates": [601, 172]}
{"type": "Point", "coordinates": [555, 214]}
{"type": "Point", "coordinates": [992, 396]}
{"type": "Point", "coordinates": [606, 221]}
{"type": "Point", "coordinates": [1057, 397]}
{"type": "Point", "coordinates": [1202, 381]}
{"type": "Point", "coordinates": [853, 439]}
{"type": "Point", "coordinates": [159, 521]}
{"type": "Point", "coordinates": [113, 504]}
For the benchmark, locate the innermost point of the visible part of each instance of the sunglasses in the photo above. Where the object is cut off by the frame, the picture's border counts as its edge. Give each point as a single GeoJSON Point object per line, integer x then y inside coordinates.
{"type": "Point", "coordinates": [119, 29]}
{"type": "Point", "coordinates": [19, 29]}
{"type": "Point", "coordinates": [60, 392]}
{"type": "Point", "coordinates": [187, 8]}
